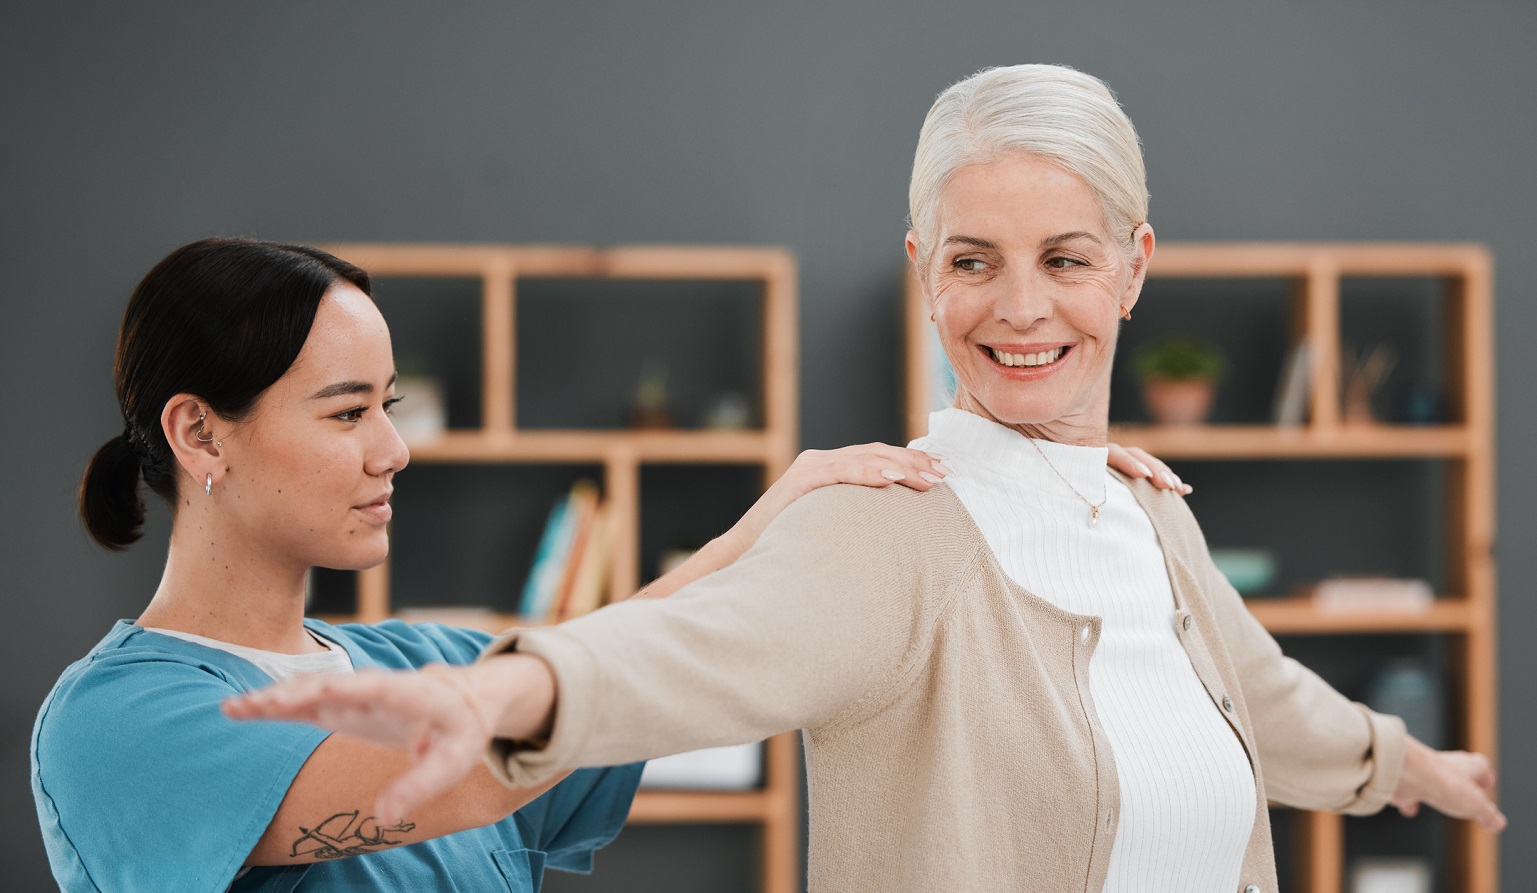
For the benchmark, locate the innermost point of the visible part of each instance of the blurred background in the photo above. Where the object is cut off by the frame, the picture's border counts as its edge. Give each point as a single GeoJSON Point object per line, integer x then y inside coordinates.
{"type": "Point", "coordinates": [129, 129]}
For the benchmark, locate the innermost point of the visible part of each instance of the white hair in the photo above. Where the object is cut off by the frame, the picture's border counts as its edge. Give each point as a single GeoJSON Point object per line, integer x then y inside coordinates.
{"type": "Point", "coordinates": [1051, 111]}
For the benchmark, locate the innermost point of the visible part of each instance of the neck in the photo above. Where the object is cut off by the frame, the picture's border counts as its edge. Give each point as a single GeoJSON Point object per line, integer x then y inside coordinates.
{"type": "Point", "coordinates": [213, 590]}
{"type": "Point", "coordinates": [1087, 429]}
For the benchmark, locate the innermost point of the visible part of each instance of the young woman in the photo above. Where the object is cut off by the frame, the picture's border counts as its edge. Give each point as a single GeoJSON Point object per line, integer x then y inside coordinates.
{"type": "Point", "coordinates": [255, 382]}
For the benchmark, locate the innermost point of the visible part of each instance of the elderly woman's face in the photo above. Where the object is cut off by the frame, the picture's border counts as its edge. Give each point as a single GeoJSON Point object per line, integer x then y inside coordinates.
{"type": "Point", "coordinates": [1027, 288]}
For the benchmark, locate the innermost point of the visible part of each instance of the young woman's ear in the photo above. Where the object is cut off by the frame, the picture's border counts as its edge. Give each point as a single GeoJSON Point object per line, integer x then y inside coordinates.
{"type": "Point", "coordinates": [195, 435]}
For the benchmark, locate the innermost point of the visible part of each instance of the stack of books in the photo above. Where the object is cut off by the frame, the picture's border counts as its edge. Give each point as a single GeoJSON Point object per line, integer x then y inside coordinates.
{"type": "Point", "coordinates": [569, 576]}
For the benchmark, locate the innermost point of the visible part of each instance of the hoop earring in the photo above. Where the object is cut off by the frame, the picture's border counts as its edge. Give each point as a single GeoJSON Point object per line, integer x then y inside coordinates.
{"type": "Point", "coordinates": [1125, 314]}
{"type": "Point", "coordinates": [208, 485]}
{"type": "Point", "coordinates": [198, 435]}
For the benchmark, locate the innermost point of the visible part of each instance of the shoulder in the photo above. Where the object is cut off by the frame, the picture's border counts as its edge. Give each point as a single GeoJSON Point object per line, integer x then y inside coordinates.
{"type": "Point", "coordinates": [891, 526]}
{"type": "Point", "coordinates": [397, 644]}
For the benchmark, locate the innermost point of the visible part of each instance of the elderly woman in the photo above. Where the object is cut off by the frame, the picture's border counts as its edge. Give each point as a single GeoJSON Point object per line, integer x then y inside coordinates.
{"type": "Point", "coordinates": [1032, 678]}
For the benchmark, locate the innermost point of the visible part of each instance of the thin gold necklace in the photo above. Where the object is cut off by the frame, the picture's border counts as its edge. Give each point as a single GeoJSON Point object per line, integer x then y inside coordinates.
{"type": "Point", "coordinates": [1093, 507]}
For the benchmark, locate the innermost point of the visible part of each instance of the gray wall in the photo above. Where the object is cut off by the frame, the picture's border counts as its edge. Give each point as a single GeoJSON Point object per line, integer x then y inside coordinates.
{"type": "Point", "coordinates": [127, 129]}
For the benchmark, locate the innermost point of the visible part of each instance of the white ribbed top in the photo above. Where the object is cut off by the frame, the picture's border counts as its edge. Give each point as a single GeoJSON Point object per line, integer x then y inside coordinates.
{"type": "Point", "coordinates": [276, 664]}
{"type": "Point", "coordinates": [1187, 791]}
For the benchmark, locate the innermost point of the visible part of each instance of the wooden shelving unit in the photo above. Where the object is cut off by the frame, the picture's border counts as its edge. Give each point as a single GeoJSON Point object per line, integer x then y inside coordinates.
{"type": "Point", "coordinates": [1315, 272]}
{"type": "Point", "coordinates": [621, 453]}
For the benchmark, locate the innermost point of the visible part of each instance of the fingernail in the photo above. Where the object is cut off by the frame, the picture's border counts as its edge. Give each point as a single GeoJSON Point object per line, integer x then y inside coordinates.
{"type": "Point", "coordinates": [940, 467]}
{"type": "Point", "coordinates": [1144, 470]}
{"type": "Point", "coordinates": [891, 475]}
{"type": "Point", "coordinates": [1187, 490]}
{"type": "Point", "coordinates": [1168, 478]}
{"type": "Point", "coordinates": [931, 478]}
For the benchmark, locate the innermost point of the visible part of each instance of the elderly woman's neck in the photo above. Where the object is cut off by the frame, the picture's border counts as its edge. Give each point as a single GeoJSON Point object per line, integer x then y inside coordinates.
{"type": "Point", "coordinates": [1089, 429]}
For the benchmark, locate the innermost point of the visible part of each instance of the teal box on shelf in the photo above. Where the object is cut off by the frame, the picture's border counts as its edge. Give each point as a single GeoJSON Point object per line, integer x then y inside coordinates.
{"type": "Point", "coordinates": [1251, 571]}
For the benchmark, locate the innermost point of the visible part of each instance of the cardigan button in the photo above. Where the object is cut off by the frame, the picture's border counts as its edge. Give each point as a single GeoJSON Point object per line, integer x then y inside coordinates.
{"type": "Point", "coordinates": [1186, 623]}
{"type": "Point", "coordinates": [1252, 888]}
{"type": "Point", "coordinates": [1086, 630]}
{"type": "Point", "coordinates": [1227, 704]}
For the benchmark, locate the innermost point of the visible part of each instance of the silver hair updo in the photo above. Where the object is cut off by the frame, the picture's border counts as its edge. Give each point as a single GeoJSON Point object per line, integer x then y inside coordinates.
{"type": "Point", "coordinates": [1051, 111]}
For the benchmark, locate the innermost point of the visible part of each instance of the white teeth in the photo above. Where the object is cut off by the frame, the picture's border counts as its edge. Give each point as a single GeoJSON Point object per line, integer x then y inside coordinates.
{"type": "Point", "coordinates": [1043, 358]}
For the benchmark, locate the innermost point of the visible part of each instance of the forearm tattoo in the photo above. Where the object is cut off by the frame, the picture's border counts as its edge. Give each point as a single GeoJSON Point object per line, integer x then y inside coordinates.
{"type": "Point", "coordinates": [344, 834]}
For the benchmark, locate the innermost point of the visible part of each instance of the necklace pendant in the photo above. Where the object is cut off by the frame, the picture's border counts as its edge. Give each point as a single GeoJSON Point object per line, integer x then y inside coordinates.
{"type": "Point", "coordinates": [1094, 521]}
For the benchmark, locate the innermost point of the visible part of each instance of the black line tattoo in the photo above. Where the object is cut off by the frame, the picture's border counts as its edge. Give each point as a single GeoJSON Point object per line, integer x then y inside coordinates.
{"type": "Point", "coordinates": [344, 835]}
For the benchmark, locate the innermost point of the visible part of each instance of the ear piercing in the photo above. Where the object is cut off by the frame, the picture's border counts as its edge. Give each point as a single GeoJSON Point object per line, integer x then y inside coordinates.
{"type": "Point", "coordinates": [198, 435]}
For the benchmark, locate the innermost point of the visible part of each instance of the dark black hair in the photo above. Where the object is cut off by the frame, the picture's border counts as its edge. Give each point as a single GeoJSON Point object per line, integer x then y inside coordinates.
{"type": "Point", "coordinates": [221, 319]}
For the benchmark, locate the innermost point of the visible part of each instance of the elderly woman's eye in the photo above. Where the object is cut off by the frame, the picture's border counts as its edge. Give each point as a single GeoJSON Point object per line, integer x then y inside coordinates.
{"type": "Point", "coordinates": [1062, 263]}
{"type": "Point", "coordinates": [970, 264]}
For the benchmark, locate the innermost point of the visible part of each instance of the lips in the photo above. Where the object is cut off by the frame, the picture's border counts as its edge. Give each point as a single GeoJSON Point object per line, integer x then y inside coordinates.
{"type": "Point", "coordinates": [1026, 362]}
{"type": "Point", "coordinates": [378, 511]}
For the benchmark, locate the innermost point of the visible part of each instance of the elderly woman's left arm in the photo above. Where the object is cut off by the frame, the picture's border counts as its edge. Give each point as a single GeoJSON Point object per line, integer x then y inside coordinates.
{"type": "Point", "coordinates": [1318, 750]}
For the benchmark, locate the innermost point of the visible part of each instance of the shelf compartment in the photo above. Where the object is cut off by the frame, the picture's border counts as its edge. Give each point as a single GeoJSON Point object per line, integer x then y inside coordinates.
{"type": "Point", "coordinates": [1302, 442]}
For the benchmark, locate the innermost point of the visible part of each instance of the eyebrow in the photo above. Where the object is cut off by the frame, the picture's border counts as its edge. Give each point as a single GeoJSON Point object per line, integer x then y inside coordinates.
{"type": "Point", "coordinates": [348, 387]}
{"type": "Point", "coordinates": [1060, 238]}
{"type": "Point", "coordinates": [971, 240]}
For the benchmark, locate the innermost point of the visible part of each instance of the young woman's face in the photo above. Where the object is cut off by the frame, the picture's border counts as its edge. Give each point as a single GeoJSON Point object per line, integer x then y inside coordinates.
{"type": "Point", "coordinates": [309, 473]}
{"type": "Point", "coordinates": [1027, 287]}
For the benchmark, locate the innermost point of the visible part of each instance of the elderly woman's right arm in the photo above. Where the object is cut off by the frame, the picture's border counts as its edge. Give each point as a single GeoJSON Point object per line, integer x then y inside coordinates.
{"type": "Point", "coordinates": [811, 625]}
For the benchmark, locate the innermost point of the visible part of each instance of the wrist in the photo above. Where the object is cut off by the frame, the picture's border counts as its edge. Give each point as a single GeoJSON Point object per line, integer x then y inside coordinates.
{"type": "Point", "coordinates": [516, 692]}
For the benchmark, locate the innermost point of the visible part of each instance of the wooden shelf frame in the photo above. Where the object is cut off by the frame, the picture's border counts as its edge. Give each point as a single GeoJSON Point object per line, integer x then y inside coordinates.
{"type": "Point", "coordinates": [1316, 272]}
{"type": "Point", "coordinates": [774, 807]}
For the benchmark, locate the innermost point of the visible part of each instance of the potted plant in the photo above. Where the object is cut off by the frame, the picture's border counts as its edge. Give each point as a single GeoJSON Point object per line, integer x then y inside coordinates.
{"type": "Point", "coordinates": [1179, 378]}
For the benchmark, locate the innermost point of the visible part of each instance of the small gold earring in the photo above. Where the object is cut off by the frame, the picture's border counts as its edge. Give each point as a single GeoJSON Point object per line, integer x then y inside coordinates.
{"type": "Point", "coordinates": [1125, 314]}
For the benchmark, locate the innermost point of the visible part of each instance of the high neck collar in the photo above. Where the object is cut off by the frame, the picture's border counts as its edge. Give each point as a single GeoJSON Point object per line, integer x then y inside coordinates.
{"type": "Point", "coordinates": [988, 446]}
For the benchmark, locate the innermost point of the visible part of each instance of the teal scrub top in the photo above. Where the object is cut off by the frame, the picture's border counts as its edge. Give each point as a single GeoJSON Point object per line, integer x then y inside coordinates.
{"type": "Point", "coordinates": [143, 786]}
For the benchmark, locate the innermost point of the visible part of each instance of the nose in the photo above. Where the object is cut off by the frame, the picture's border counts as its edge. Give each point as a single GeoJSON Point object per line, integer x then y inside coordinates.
{"type": "Point", "coordinates": [387, 452]}
{"type": "Point", "coordinates": [1022, 302]}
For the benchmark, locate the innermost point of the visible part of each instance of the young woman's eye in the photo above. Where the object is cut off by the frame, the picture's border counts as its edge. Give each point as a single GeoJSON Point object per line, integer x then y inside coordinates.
{"type": "Point", "coordinates": [352, 415]}
{"type": "Point", "coordinates": [970, 264]}
{"type": "Point", "coordinates": [389, 405]}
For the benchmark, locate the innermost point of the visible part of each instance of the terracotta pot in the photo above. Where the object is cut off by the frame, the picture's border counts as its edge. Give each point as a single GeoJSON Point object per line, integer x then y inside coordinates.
{"type": "Point", "coordinates": [1178, 402]}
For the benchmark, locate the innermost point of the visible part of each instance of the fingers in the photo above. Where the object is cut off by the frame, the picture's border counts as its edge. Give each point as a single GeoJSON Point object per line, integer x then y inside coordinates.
{"type": "Point", "coordinates": [869, 465]}
{"type": "Point", "coordinates": [1139, 463]}
{"type": "Point", "coordinates": [438, 762]}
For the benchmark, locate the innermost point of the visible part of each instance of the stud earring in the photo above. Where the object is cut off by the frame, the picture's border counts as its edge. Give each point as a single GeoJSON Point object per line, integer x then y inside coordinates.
{"type": "Point", "coordinates": [208, 485]}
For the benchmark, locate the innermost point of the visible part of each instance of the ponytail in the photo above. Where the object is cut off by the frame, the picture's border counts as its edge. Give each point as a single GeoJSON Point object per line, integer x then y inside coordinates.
{"type": "Point", "coordinates": [110, 503]}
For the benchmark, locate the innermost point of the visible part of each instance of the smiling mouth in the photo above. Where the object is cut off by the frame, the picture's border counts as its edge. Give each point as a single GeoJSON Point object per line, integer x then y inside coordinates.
{"type": "Point", "coordinates": [1037, 360]}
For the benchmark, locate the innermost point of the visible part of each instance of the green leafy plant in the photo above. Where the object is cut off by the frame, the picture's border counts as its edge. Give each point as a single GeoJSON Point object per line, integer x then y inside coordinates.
{"type": "Point", "coordinates": [1178, 358]}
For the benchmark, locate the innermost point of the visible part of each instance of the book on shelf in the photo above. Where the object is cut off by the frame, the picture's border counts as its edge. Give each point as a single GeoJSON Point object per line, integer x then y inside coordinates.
{"type": "Point", "coordinates": [1373, 594]}
{"type": "Point", "coordinates": [587, 571]}
{"type": "Point", "coordinates": [570, 514]}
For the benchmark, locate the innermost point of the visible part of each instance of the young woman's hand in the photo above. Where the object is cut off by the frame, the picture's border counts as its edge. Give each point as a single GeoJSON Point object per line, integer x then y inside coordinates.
{"type": "Point", "coordinates": [1454, 782]}
{"type": "Point", "coordinates": [1139, 463]}
{"type": "Point", "coordinates": [868, 465]}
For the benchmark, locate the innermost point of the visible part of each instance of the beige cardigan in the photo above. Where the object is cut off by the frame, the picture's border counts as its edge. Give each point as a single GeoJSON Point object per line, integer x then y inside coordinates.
{"type": "Point", "coordinates": [950, 737]}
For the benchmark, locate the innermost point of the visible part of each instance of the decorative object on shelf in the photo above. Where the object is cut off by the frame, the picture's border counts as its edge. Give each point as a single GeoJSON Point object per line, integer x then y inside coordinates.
{"type": "Point", "coordinates": [421, 416]}
{"type": "Point", "coordinates": [1373, 594]}
{"type": "Point", "coordinates": [1291, 398]}
{"type": "Point", "coordinates": [735, 768]}
{"type": "Point", "coordinates": [1364, 373]}
{"type": "Point", "coordinates": [1382, 875]}
{"type": "Point", "coordinates": [1179, 378]}
{"type": "Point", "coordinates": [730, 412]}
{"type": "Point", "coordinates": [1251, 571]}
{"type": "Point", "coordinates": [1411, 689]}
{"type": "Point", "coordinates": [650, 409]}
{"type": "Point", "coordinates": [1423, 403]}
